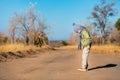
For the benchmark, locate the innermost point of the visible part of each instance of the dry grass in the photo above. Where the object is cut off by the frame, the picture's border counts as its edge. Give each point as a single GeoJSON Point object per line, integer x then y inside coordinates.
{"type": "Point", "coordinates": [106, 49]}
{"type": "Point", "coordinates": [16, 47]}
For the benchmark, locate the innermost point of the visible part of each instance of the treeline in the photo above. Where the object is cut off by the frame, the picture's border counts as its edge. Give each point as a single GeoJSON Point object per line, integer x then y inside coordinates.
{"type": "Point", "coordinates": [27, 28]}
{"type": "Point", "coordinates": [114, 38]}
{"type": "Point", "coordinates": [102, 30]}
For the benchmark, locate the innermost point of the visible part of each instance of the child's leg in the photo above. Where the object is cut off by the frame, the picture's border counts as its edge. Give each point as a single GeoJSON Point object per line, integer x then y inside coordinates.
{"type": "Point", "coordinates": [85, 54]}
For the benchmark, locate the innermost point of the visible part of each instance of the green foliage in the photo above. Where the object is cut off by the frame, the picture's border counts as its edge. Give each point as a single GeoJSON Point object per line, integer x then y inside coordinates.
{"type": "Point", "coordinates": [117, 24]}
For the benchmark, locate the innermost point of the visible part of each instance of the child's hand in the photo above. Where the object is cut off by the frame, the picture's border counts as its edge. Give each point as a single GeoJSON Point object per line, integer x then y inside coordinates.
{"type": "Point", "coordinates": [88, 46]}
{"type": "Point", "coordinates": [79, 47]}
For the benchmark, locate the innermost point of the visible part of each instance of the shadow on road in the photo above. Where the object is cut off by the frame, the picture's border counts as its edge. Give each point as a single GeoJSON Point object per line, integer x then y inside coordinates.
{"type": "Point", "coordinates": [104, 66]}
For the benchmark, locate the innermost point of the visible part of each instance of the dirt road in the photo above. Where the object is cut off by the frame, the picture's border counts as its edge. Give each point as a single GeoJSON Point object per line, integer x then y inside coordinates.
{"type": "Point", "coordinates": [61, 65]}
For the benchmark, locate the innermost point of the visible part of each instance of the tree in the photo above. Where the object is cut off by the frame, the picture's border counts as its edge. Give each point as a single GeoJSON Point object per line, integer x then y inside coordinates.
{"type": "Point", "coordinates": [1, 38]}
{"type": "Point", "coordinates": [117, 24]}
{"type": "Point", "coordinates": [73, 39]}
{"type": "Point", "coordinates": [100, 17]}
{"type": "Point", "coordinates": [115, 36]}
{"type": "Point", "coordinates": [27, 25]}
{"type": "Point", "coordinates": [41, 39]}
{"type": "Point", "coordinates": [12, 29]}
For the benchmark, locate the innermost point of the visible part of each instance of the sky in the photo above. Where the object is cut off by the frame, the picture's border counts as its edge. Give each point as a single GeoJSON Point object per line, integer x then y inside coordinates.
{"type": "Point", "coordinates": [59, 14]}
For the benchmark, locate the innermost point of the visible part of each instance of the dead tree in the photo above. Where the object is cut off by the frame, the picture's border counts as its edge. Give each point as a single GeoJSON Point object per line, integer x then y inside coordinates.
{"type": "Point", "coordinates": [28, 24]}
{"type": "Point", "coordinates": [100, 16]}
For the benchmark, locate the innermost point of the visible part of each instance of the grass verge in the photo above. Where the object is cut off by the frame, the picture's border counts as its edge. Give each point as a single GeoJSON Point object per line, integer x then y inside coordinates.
{"type": "Point", "coordinates": [16, 47]}
{"type": "Point", "coordinates": [105, 49]}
